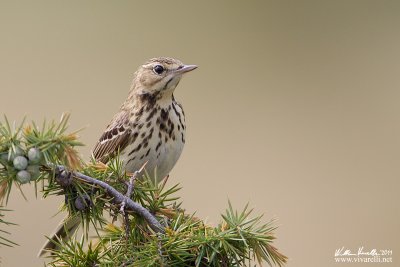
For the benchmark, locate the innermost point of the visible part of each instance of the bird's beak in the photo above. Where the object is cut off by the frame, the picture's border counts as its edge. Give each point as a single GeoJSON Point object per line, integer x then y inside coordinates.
{"type": "Point", "coordinates": [185, 68]}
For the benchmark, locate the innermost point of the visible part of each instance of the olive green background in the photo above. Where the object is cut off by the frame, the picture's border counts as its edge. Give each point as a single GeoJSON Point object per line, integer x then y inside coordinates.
{"type": "Point", "coordinates": [294, 108]}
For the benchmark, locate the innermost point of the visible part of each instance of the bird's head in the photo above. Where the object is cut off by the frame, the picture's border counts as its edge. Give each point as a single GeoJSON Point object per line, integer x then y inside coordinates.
{"type": "Point", "coordinates": [159, 75]}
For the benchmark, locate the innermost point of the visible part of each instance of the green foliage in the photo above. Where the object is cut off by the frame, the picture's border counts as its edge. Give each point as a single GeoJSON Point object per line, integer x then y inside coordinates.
{"type": "Point", "coordinates": [4, 241]}
{"type": "Point", "coordinates": [55, 145]}
{"type": "Point", "coordinates": [238, 240]}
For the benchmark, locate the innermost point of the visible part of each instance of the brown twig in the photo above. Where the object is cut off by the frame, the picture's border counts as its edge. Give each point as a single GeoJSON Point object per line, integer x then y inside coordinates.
{"type": "Point", "coordinates": [128, 194]}
{"type": "Point", "coordinates": [117, 197]}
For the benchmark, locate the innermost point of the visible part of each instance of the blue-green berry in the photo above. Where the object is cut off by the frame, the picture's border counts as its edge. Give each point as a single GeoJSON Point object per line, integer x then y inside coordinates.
{"type": "Point", "coordinates": [20, 163]}
{"type": "Point", "coordinates": [13, 154]}
{"type": "Point", "coordinates": [34, 171]}
{"type": "Point", "coordinates": [4, 157]}
{"type": "Point", "coordinates": [34, 155]}
{"type": "Point", "coordinates": [23, 177]}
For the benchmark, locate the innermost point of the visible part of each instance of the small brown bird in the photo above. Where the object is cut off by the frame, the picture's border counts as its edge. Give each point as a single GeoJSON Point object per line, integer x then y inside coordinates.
{"type": "Point", "coordinates": [149, 127]}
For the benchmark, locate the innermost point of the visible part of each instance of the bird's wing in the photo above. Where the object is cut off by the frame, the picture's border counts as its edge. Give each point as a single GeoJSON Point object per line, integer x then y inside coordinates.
{"type": "Point", "coordinates": [116, 137]}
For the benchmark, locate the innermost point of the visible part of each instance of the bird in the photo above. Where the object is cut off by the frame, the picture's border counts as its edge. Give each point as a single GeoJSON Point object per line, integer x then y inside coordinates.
{"type": "Point", "coordinates": [149, 128]}
{"type": "Point", "coordinates": [150, 125]}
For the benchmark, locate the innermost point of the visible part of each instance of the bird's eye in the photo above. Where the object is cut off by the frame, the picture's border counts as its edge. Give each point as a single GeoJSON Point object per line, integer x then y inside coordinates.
{"type": "Point", "coordinates": [158, 69]}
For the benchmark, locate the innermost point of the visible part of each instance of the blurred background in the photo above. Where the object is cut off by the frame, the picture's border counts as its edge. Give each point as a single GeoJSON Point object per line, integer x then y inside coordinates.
{"type": "Point", "coordinates": [294, 108]}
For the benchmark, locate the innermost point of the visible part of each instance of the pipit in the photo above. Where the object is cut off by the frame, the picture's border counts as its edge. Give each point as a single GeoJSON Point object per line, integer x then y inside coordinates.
{"type": "Point", "coordinates": [149, 127]}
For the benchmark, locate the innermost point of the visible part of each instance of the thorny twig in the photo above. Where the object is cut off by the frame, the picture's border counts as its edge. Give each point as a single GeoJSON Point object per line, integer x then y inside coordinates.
{"type": "Point", "coordinates": [117, 197]}
{"type": "Point", "coordinates": [128, 194]}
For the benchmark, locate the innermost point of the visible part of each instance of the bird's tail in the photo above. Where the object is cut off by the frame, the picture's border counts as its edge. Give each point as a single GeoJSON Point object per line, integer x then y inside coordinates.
{"type": "Point", "coordinates": [64, 231]}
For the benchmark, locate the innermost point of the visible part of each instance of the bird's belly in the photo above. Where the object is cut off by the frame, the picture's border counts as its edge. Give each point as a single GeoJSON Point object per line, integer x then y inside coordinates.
{"type": "Point", "coordinates": [160, 158]}
{"type": "Point", "coordinates": [161, 163]}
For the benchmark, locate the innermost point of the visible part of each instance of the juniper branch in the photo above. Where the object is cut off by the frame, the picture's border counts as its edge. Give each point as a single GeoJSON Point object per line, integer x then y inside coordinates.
{"type": "Point", "coordinates": [63, 176]}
